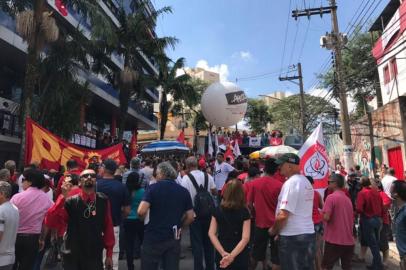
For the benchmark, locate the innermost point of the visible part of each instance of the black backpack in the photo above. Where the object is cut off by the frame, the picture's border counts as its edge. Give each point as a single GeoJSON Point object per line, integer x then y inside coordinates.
{"type": "Point", "coordinates": [203, 201]}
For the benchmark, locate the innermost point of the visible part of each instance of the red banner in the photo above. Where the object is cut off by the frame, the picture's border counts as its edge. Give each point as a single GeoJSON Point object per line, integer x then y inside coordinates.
{"type": "Point", "coordinates": [50, 151]}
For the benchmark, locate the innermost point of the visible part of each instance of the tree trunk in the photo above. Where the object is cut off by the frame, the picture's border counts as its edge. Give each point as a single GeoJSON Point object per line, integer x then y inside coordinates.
{"type": "Point", "coordinates": [31, 76]}
{"type": "Point", "coordinates": [124, 97]}
{"type": "Point", "coordinates": [164, 115]}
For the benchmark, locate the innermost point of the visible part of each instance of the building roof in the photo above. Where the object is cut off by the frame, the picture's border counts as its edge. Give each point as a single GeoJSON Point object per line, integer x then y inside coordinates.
{"type": "Point", "coordinates": [385, 16]}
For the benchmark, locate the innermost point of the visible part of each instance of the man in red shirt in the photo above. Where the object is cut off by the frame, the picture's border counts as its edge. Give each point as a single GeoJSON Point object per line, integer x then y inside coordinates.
{"type": "Point", "coordinates": [87, 217]}
{"type": "Point", "coordinates": [338, 215]}
{"type": "Point", "coordinates": [73, 168]}
{"type": "Point", "coordinates": [370, 207]}
{"type": "Point", "coordinates": [263, 199]}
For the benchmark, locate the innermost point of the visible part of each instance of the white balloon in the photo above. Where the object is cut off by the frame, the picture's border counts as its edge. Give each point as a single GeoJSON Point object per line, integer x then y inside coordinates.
{"type": "Point", "coordinates": [224, 104]}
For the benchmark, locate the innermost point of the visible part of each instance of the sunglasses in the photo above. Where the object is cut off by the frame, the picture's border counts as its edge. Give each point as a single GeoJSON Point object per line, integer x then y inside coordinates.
{"type": "Point", "coordinates": [88, 175]}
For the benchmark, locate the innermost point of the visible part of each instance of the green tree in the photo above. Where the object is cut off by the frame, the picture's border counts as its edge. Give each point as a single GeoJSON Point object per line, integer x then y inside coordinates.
{"type": "Point", "coordinates": [135, 35]}
{"type": "Point", "coordinates": [258, 115]}
{"type": "Point", "coordinates": [38, 27]}
{"type": "Point", "coordinates": [286, 114]}
{"type": "Point", "coordinates": [186, 103]}
{"type": "Point", "coordinates": [178, 87]}
{"type": "Point", "coordinates": [360, 73]}
{"type": "Point", "coordinates": [60, 95]}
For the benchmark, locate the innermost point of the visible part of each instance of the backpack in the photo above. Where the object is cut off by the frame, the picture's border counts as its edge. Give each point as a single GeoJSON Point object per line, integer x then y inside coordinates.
{"type": "Point", "coordinates": [203, 201]}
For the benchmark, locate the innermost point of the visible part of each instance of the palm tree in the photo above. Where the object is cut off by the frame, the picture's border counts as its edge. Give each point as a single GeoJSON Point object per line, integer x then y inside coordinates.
{"type": "Point", "coordinates": [37, 26]}
{"type": "Point", "coordinates": [177, 87]}
{"type": "Point", "coordinates": [135, 35]}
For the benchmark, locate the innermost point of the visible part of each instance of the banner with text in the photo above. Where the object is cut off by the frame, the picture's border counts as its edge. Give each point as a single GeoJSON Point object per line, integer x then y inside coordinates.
{"type": "Point", "coordinates": [50, 151]}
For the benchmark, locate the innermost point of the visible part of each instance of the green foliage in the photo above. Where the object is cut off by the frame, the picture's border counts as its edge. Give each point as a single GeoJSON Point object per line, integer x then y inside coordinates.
{"type": "Point", "coordinates": [286, 113]}
{"type": "Point", "coordinates": [360, 72]}
{"type": "Point", "coordinates": [258, 115]}
{"type": "Point", "coordinates": [60, 95]}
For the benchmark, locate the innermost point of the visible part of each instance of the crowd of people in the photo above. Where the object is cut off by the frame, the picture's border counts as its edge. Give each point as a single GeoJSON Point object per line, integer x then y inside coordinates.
{"type": "Point", "coordinates": [89, 218]}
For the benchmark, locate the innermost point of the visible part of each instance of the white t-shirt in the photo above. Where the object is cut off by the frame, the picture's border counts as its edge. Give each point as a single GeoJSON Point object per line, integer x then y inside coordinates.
{"type": "Point", "coordinates": [9, 219]}
{"type": "Point", "coordinates": [387, 181]}
{"type": "Point", "coordinates": [147, 171]}
{"type": "Point", "coordinates": [296, 197]}
{"type": "Point", "coordinates": [221, 172]}
{"type": "Point", "coordinates": [199, 176]}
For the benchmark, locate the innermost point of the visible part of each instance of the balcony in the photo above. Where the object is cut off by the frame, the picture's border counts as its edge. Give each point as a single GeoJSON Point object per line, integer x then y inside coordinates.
{"type": "Point", "coordinates": [141, 108]}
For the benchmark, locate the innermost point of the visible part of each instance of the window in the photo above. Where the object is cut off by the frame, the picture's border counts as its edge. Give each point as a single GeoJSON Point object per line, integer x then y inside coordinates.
{"type": "Point", "coordinates": [386, 74]}
{"type": "Point", "coordinates": [394, 68]}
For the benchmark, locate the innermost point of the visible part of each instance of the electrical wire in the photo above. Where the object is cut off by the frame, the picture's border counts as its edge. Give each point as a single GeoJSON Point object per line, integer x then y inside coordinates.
{"type": "Point", "coordinates": [286, 36]}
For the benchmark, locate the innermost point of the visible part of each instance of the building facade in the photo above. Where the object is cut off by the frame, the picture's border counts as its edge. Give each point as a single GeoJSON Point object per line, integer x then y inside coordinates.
{"type": "Point", "coordinates": [99, 117]}
{"type": "Point", "coordinates": [388, 120]}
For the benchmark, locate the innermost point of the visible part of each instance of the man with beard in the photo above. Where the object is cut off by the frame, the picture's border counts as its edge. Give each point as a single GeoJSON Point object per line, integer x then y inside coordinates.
{"type": "Point", "coordinates": [89, 226]}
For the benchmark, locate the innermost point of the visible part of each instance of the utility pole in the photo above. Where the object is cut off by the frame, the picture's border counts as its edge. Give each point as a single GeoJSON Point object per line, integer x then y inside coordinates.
{"type": "Point", "coordinates": [345, 118]}
{"type": "Point", "coordinates": [292, 79]}
{"type": "Point", "coordinates": [335, 41]}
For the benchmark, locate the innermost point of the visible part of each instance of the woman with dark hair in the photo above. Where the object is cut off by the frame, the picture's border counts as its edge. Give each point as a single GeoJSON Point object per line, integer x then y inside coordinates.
{"type": "Point", "coordinates": [133, 226]}
{"type": "Point", "coordinates": [230, 229]}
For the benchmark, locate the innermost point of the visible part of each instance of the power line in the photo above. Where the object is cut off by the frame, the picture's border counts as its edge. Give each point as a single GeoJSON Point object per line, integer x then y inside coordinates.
{"type": "Point", "coordinates": [286, 35]}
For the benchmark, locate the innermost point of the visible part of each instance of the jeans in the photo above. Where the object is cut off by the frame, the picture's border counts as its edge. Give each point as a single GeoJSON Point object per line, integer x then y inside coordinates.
{"type": "Point", "coordinates": [26, 250]}
{"type": "Point", "coordinates": [297, 252]}
{"type": "Point", "coordinates": [371, 230]}
{"type": "Point", "coordinates": [201, 244]}
{"type": "Point", "coordinates": [167, 252]}
{"type": "Point", "coordinates": [133, 229]}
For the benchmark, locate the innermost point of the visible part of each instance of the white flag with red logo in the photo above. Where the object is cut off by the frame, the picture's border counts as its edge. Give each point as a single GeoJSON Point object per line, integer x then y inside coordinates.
{"type": "Point", "coordinates": [314, 159]}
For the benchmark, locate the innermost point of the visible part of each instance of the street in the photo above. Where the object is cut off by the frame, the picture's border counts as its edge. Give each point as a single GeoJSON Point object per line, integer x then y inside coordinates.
{"type": "Point", "coordinates": [187, 262]}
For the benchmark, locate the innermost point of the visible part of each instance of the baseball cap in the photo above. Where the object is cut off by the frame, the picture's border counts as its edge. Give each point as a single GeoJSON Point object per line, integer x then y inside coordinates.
{"type": "Point", "coordinates": [288, 158]}
{"type": "Point", "coordinates": [110, 165]}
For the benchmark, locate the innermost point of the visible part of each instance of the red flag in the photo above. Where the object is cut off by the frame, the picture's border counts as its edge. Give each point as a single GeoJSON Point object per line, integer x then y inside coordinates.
{"type": "Point", "coordinates": [133, 145]}
{"type": "Point", "coordinates": [181, 137]}
{"type": "Point", "coordinates": [61, 7]}
{"type": "Point", "coordinates": [229, 153]}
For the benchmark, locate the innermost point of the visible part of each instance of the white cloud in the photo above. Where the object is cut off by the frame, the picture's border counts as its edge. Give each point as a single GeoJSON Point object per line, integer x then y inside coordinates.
{"type": "Point", "coordinates": [243, 55]}
{"type": "Point", "coordinates": [221, 69]}
{"type": "Point", "coordinates": [323, 93]}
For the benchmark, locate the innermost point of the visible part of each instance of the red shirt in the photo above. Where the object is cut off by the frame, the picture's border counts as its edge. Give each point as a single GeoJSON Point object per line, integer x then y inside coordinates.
{"type": "Point", "coordinates": [386, 205]}
{"type": "Point", "coordinates": [369, 203]}
{"type": "Point", "coordinates": [61, 228]}
{"type": "Point", "coordinates": [328, 192]}
{"type": "Point", "coordinates": [62, 179]}
{"type": "Point", "coordinates": [316, 216]}
{"type": "Point", "coordinates": [264, 196]}
{"type": "Point", "coordinates": [242, 176]}
{"type": "Point", "coordinates": [57, 218]}
{"type": "Point", "coordinates": [338, 229]}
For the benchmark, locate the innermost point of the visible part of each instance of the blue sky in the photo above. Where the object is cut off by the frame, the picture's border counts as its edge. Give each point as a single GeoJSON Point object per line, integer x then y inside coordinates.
{"type": "Point", "coordinates": [245, 38]}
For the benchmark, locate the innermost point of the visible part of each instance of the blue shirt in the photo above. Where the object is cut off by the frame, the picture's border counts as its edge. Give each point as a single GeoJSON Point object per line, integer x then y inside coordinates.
{"type": "Point", "coordinates": [400, 220]}
{"type": "Point", "coordinates": [136, 198]}
{"type": "Point", "coordinates": [118, 196]}
{"type": "Point", "coordinates": [168, 203]}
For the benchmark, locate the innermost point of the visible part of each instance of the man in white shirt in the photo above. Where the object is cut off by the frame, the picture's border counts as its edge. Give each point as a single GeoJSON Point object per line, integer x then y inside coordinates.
{"type": "Point", "coordinates": [9, 219]}
{"type": "Point", "coordinates": [201, 244]}
{"type": "Point", "coordinates": [294, 224]}
{"type": "Point", "coordinates": [147, 171]}
{"type": "Point", "coordinates": [388, 180]}
{"type": "Point", "coordinates": [221, 171]}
